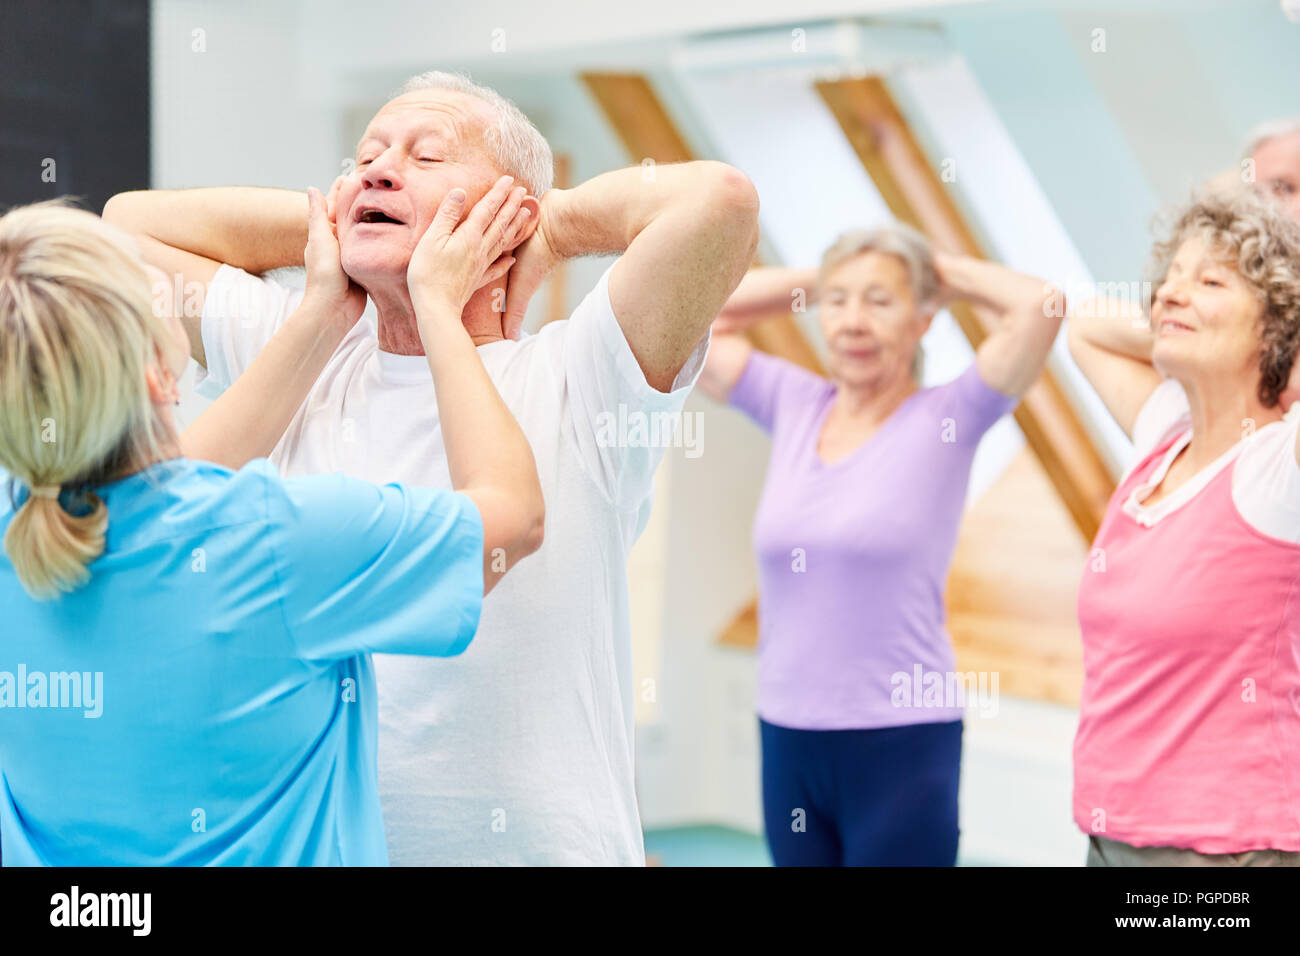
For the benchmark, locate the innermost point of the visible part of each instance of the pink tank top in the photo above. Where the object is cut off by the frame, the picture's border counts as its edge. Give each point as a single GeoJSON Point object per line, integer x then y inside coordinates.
{"type": "Point", "coordinates": [1189, 726]}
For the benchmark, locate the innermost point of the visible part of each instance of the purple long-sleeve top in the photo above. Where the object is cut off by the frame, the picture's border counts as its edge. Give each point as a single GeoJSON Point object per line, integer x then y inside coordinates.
{"type": "Point", "coordinates": [853, 555]}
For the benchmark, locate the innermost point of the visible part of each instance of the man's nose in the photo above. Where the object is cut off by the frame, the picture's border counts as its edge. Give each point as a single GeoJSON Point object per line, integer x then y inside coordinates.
{"type": "Point", "coordinates": [382, 174]}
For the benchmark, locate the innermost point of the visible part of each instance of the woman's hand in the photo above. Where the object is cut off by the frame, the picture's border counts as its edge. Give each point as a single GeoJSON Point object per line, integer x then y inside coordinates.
{"type": "Point", "coordinates": [455, 259]}
{"type": "Point", "coordinates": [327, 284]}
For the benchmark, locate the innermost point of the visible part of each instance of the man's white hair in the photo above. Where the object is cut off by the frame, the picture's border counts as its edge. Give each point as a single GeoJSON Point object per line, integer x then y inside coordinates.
{"type": "Point", "coordinates": [1271, 130]}
{"type": "Point", "coordinates": [521, 149]}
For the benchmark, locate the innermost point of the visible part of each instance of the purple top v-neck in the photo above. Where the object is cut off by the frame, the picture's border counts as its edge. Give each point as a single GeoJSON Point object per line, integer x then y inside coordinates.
{"type": "Point", "coordinates": [853, 555]}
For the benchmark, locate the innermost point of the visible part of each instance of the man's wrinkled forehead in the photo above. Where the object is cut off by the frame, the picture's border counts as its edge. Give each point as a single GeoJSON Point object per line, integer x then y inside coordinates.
{"type": "Point", "coordinates": [457, 120]}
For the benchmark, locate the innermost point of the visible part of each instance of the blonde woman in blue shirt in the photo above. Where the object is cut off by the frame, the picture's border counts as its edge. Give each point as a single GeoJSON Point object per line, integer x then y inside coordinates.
{"type": "Point", "coordinates": [184, 664]}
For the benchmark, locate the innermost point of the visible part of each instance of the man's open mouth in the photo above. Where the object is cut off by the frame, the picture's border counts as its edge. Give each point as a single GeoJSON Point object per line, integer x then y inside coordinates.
{"type": "Point", "coordinates": [377, 216]}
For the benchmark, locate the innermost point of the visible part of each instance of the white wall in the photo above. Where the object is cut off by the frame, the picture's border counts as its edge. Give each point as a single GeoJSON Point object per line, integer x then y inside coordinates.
{"type": "Point", "coordinates": [230, 102]}
{"type": "Point", "coordinates": [1016, 787]}
{"type": "Point", "coordinates": [230, 107]}
{"type": "Point", "coordinates": [521, 34]}
{"type": "Point", "coordinates": [698, 761]}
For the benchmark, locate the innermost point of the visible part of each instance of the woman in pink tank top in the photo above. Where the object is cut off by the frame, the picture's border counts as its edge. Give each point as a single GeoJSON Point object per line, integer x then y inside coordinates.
{"type": "Point", "coordinates": [1188, 746]}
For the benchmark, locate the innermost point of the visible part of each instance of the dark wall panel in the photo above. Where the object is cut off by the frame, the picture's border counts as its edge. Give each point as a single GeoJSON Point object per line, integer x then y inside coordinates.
{"type": "Point", "coordinates": [74, 99]}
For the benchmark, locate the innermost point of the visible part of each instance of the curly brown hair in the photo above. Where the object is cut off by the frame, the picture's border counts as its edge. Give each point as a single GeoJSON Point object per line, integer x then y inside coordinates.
{"type": "Point", "coordinates": [1262, 243]}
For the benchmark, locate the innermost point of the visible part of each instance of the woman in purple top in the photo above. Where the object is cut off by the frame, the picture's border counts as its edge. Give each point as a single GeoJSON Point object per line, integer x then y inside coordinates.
{"type": "Point", "coordinates": [860, 726]}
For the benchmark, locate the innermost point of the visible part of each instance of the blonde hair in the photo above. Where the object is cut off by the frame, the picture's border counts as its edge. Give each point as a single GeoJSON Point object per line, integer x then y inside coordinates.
{"type": "Point", "coordinates": [77, 334]}
{"type": "Point", "coordinates": [905, 244]}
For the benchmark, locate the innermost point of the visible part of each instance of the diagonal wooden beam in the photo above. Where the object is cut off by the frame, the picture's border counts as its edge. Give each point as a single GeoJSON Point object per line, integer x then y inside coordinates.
{"type": "Point", "coordinates": [880, 136]}
{"type": "Point", "coordinates": [639, 119]}
{"type": "Point", "coordinates": [647, 132]}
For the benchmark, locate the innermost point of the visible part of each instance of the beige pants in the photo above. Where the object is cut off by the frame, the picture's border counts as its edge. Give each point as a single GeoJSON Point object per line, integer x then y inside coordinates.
{"type": "Point", "coordinates": [1104, 852]}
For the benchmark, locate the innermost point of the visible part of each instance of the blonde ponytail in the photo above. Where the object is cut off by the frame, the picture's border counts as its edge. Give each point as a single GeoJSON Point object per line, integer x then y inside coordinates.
{"type": "Point", "coordinates": [77, 335]}
{"type": "Point", "coordinates": [50, 547]}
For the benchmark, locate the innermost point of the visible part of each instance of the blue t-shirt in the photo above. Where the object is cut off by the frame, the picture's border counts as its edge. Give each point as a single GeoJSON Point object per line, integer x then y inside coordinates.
{"type": "Point", "coordinates": [208, 696]}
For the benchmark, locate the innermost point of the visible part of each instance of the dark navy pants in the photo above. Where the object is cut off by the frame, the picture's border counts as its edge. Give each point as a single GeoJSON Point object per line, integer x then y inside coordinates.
{"type": "Point", "coordinates": [884, 797]}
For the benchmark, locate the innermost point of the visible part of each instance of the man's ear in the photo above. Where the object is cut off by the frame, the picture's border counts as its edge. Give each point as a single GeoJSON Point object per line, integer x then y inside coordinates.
{"type": "Point", "coordinates": [533, 206]}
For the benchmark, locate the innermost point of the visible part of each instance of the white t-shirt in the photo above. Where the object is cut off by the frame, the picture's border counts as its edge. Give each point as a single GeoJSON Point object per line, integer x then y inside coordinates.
{"type": "Point", "coordinates": [520, 751]}
{"type": "Point", "coordinates": [1265, 483]}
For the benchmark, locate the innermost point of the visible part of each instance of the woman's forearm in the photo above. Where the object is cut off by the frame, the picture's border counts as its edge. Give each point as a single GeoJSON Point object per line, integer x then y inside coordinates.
{"type": "Point", "coordinates": [485, 445]}
{"type": "Point", "coordinates": [488, 456]}
{"type": "Point", "coordinates": [1112, 325]}
{"type": "Point", "coordinates": [769, 291]}
{"type": "Point", "coordinates": [250, 417]}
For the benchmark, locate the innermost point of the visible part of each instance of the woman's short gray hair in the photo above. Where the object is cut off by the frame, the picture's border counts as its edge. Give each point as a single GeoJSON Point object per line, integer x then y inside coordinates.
{"type": "Point", "coordinates": [520, 148]}
{"type": "Point", "coordinates": [898, 240]}
{"type": "Point", "coordinates": [903, 243]}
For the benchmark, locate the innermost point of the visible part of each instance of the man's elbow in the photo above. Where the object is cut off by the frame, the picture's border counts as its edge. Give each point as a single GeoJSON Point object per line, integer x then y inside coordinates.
{"type": "Point", "coordinates": [120, 208]}
{"type": "Point", "coordinates": [131, 212]}
{"type": "Point", "coordinates": [112, 208]}
{"type": "Point", "coordinates": [731, 203]}
{"type": "Point", "coordinates": [736, 195]}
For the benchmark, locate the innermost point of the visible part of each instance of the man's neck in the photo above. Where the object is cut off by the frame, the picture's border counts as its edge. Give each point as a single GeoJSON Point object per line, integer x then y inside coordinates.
{"type": "Point", "coordinates": [399, 333]}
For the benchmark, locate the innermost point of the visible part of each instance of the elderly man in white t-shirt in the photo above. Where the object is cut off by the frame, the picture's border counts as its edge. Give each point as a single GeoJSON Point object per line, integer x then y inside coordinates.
{"type": "Point", "coordinates": [521, 750]}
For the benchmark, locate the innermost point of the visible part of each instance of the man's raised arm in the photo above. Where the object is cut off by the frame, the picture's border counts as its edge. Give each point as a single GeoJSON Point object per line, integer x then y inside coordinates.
{"type": "Point", "coordinates": [687, 233]}
{"type": "Point", "coordinates": [190, 233]}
